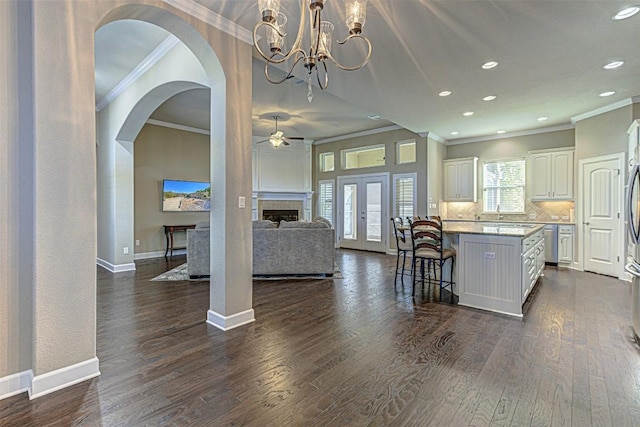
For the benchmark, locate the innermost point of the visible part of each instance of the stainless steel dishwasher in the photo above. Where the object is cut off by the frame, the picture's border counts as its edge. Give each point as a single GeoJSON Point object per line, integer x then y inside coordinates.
{"type": "Point", "coordinates": [551, 244]}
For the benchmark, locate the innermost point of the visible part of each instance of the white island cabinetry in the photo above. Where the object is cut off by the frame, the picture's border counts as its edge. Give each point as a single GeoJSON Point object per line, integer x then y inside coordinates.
{"type": "Point", "coordinates": [498, 266]}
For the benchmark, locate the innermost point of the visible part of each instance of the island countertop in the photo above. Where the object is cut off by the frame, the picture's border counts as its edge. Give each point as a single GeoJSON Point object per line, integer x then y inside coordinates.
{"type": "Point", "coordinates": [491, 228]}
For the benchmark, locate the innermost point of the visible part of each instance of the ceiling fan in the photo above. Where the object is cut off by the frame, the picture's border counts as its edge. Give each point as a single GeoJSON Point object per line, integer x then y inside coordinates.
{"type": "Point", "coordinates": [277, 138]}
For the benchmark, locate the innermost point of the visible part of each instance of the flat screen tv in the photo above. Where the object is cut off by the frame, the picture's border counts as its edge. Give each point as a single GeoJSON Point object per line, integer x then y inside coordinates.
{"type": "Point", "coordinates": [185, 196]}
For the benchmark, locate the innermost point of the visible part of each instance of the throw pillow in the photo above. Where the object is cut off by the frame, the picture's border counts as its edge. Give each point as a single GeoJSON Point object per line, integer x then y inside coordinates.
{"type": "Point", "coordinates": [323, 220]}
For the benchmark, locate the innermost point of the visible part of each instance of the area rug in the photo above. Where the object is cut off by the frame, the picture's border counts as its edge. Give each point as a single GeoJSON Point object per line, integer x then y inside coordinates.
{"type": "Point", "coordinates": [180, 274]}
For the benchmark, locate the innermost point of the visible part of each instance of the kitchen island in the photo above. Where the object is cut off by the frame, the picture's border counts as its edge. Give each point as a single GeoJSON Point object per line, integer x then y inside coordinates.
{"type": "Point", "coordinates": [498, 264]}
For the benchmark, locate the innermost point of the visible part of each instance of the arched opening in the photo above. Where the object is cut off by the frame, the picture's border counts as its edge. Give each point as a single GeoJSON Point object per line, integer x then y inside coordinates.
{"type": "Point", "coordinates": [192, 63]}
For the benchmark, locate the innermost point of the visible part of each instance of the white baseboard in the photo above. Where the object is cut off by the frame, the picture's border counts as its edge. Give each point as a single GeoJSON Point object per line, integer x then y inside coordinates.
{"type": "Point", "coordinates": [229, 322]}
{"type": "Point", "coordinates": [64, 377]}
{"type": "Point", "coordinates": [115, 268]}
{"type": "Point", "coordinates": [157, 254]}
{"type": "Point", "coordinates": [15, 384]}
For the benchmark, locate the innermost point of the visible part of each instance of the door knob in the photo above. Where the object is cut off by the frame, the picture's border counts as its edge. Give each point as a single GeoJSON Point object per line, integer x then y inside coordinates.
{"type": "Point", "coordinates": [586, 223]}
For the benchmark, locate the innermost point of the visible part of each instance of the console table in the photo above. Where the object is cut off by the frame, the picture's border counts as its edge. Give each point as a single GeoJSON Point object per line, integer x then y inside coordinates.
{"type": "Point", "coordinates": [168, 234]}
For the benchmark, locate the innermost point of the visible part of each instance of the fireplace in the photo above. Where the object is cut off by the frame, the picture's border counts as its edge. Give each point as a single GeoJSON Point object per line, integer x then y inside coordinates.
{"type": "Point", "coordinates": [278, 215]}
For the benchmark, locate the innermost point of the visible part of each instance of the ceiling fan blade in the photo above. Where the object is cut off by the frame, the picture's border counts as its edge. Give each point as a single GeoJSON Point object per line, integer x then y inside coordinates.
{"type": "Point", "coordinates": [260, 142]}
{"type": "Point", "coordinates": [297, 138]}
{"type": "Point", "coordinates": [284, 142]}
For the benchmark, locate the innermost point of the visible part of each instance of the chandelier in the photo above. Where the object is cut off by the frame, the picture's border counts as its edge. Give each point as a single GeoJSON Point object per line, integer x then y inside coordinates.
{"type": "Point", "coordinates": [320, 39]}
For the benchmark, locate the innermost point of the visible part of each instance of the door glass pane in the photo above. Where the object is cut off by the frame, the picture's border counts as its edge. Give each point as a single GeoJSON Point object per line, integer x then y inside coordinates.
{"type": "Point", "coordinates": [350, 209]}
{"type": "Point", "coordinates": [374, 211]}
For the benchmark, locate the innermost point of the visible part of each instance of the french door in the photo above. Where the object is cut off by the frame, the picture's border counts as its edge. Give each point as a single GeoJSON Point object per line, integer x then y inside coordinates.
{"type": "Point", "coordinates": [362, 212]}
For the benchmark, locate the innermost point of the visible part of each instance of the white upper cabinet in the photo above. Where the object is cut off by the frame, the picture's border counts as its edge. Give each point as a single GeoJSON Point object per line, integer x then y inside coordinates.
{"type": "Point", "coordinates": [460, 180]}
{"type": "Point", "coordinates": [551, 175]}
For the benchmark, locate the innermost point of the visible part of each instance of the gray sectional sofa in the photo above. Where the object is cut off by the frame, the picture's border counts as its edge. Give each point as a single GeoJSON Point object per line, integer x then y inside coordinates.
{"type": "Point", "coordinates": [293, 248]}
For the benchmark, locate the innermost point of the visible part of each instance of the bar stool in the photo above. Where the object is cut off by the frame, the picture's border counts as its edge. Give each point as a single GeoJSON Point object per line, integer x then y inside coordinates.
{"type": "Point", "coordinates": [426, 238]}
{"type": "Point", "coordinates": [403, 244]}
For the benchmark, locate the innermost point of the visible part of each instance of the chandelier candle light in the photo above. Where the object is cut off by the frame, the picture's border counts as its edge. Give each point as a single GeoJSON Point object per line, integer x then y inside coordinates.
{"type": "Point", "coordinates": [320, 35]}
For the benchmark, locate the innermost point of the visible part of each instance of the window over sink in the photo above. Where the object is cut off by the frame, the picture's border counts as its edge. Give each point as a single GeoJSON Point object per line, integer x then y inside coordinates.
{"type": "Point", "coordinates": [504, 185]}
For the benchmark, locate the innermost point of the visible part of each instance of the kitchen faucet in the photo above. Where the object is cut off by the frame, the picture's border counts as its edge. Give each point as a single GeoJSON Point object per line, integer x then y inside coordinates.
{"type": "Point", "coordinates": [498, 210]}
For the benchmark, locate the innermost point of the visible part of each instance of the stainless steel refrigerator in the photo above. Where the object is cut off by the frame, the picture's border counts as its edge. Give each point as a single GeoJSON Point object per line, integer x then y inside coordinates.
{"type": "Point", "coordinates": [632, 205]}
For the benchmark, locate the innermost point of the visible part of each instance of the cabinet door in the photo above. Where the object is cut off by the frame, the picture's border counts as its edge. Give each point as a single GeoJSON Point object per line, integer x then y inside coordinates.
{"type": "Point", "coordinates": [540, 174]}
{"type": "Point", "coordinates": [565, 248]}
{"type": "Point", "coordinates": [451, 181]}
{"type": "Point", "coordinates": [562, 175]}
{"type": "Point", "coordinates": [466, 181]}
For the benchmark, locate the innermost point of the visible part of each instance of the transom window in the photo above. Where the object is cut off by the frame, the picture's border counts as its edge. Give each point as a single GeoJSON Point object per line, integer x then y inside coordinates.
{"type": "Point", "coordinates": [327, 162]}
{"type": "Point", "coordinates": [363, 157]}
{"type": "Point", "coordinates": [504, 186]}
{"type": "Point", "coordinates": [406, 151]}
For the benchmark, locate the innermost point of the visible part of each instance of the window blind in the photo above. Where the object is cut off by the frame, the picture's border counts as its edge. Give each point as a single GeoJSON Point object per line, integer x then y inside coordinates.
{"type": "Point", "coordinates": [325, 200]}
{"type": "Point", "coordinates": [405, 196]}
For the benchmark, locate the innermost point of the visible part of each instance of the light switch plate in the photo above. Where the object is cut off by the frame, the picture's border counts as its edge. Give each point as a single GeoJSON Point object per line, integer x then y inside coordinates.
{"type": "Point", "coordinates": [241, 202]}
{"type": "Point", "coordinates": [532, 216]}
{"type": "Point", "coordinates": [554, 216]}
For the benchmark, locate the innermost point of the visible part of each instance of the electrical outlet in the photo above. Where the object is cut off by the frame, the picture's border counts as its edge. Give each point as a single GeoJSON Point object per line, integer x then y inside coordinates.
{"type": "Point", "coordinates": [125, 250]}
{"type": "Point", "coordinates": [554, 217]}
{"type": "Point", "coordinates": [137, 242]}
{"type": "Point", "coordinates": [565, 218]}
{"type": "Point", "coordinates": [532, 216]}
{"type": "Point", "coordinates": [490, 255]}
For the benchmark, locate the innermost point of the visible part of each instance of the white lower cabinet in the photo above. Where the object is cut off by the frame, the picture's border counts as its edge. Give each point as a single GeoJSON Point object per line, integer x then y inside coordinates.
{"type": "Point", "coordinates": [497, 273]}
{"type": "Point", "coordinates": [565, 244]}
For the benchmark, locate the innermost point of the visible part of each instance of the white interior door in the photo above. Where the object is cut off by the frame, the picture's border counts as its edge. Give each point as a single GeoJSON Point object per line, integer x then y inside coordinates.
{"type": "Point", "coordinates": [602, 217]}
{"type": "Point", "coordinates": [362, 212]}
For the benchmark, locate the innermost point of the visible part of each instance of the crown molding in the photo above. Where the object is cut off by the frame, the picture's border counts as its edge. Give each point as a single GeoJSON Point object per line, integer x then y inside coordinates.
{"type": "Point", "coordinates": [163, 48]}
{"type": "Point", "coordinates": [511, 134]}
{"type": "Point", "coordinates": [357, 134]}
{"type": "Point", "coordinates": [178, 127]}
{"type": "Point", "coordinates": [207, 16]}
{"type": "Point", "coordinates": [602, 110]}
{"type": "Point", "coordinates": [436, 138]}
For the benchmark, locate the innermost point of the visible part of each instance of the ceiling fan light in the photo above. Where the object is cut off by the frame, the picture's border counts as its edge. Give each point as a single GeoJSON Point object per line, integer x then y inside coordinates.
{"type": "Point", "coordinates": [269, 9]}
{"type": "Point", "coordinates": [275, 141]}
{"type": "Point", "coordinates": [356, 15]}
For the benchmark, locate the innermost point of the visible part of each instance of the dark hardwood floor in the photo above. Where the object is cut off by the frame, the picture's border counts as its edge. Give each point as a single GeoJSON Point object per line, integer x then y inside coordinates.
{"type": "Point", "coordinates": [353, 351]}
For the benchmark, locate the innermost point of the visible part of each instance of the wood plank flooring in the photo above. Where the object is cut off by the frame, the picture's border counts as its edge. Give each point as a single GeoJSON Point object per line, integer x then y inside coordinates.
{"type": "Point", "coordinates": [356, 351]}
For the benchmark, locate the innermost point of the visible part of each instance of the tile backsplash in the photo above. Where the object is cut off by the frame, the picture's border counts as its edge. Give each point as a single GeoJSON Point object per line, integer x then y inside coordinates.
{"type": "Point", "coordinates": [543, 211]}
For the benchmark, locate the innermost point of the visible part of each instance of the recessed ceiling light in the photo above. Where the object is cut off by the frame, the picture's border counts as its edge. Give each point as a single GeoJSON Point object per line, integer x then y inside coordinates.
{"type": "Point", "coordinates": [445, 93]}
{"type": "Point", "coordinates": [374, 117]}
{"type": "Point", "coordinates": [543, 118]}
{"type": "Point", "coordinates": [613, 65]}
{"type": "Point", "coordinates": [455, 132]}
{"type": "Point", "coordinates": [467, 113]}
{"type": "Point", "coordinates": [609, 93]}
{"type": "Point", "coordinates": [489, 98]}
{"type": "Point", "coordinates": [489, 65]}
{"type": "Point", "coordinates": [626, 13]}
{"type": "Point", "coordinates": [501, 131]}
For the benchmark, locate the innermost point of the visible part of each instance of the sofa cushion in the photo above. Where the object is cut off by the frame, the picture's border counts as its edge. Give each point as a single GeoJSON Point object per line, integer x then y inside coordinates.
{"type": "Point", "coordinates": [202, 224]}
{"type": "Point", "coordinates": [264, 223]}
{"type": "Point", "coordinates": [302, 224]}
